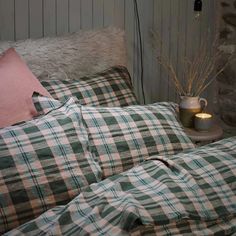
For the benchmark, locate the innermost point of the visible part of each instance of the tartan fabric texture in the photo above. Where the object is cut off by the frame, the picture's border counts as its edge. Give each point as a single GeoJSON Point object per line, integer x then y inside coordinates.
{"type": "Point", "coordinates": [122, 137]}
{"type": "Point", "coordinates": [43, 104]}
{"type": "Point", "coordinates": [43, 163]}
{"type": "Point", "coordinates": [191, 193]}
{"type": "Point", "coordinates": [111, 87]}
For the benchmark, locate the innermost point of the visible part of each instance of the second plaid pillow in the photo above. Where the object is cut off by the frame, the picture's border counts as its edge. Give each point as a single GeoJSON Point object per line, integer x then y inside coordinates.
{"type": "Point", "coordinates": [108, 88]}
{"type": "Point", "coordinates": [123, 137]}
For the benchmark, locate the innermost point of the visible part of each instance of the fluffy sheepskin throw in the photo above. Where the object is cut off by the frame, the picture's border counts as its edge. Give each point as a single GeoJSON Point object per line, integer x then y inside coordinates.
{"type": "Point", "coordinates": [72, 56]}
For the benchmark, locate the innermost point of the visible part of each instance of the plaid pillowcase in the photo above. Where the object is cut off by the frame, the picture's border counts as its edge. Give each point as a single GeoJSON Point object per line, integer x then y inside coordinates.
{"type": "Point", "coordinates": [123, 137]}
{"type": "Point", "coordinates": [44, 104]}
{"type": "Point", "coordinates": [111, 87]}
{"type": "Point", "coordinates": [43, 163]}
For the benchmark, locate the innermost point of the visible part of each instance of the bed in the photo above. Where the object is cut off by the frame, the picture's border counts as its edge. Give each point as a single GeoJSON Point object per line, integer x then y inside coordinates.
{"type": "Point", "coordinates": [85, 158]}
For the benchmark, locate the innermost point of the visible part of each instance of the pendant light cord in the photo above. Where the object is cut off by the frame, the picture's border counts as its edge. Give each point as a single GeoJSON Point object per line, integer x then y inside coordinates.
{"type": "Point", "coordinates": [136, 11]}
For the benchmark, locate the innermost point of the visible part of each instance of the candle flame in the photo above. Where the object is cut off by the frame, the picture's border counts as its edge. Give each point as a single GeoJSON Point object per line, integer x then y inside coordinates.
{"type": "Point", "coordinates": [203, 115]}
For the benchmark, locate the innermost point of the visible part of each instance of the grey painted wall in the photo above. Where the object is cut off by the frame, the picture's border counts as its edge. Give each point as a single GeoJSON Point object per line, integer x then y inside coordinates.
{"type": "Point", "coordinates": [180, 31]}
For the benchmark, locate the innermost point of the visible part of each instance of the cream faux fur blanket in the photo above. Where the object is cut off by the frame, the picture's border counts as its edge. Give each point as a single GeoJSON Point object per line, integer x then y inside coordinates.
{"type": "Point", "coordinates": [74, 55]}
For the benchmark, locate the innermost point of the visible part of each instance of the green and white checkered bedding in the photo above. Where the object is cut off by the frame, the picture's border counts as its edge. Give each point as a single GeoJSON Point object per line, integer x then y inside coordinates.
{"type": "Point", "coordinates": [191, 193]}
{"type": "Point", "coordinates": [123, 137]}
{"type": "Point", "coordinates": [43, 163]}
{"type": "Point", "coordinates": [44, 105]}
{"type": "Point", "coordinates": [111, 87]}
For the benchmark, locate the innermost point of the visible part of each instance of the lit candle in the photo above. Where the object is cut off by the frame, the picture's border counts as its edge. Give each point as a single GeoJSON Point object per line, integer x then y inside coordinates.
{"type": "Point", "coordinates": [202, 121]}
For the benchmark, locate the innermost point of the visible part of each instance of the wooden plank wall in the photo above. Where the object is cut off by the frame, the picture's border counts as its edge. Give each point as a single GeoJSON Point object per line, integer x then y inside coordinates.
{"type": "Point", "coordinates": [21, 19]}
{"type": "Point", "coordinates": [181, 33]}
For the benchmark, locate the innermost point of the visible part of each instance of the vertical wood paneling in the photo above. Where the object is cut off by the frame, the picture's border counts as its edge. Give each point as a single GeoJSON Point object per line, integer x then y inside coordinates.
{"type": "Point", "coordinates": [109, 7]}
{"type": "Point", "coordinates": [129, 30]}
{"type": "Point", "coordinates": [215, 11]}
{"type": "Point", "coordinates": [174, 30]}
{"type": "Point", "coordinates": [36, 18]}
{"type": "Point", "coordinates": [165, 48]}
{"type": "Point", "coordinates": [62, 8]}
{"type": "Point", "coordinates": [189, 29]}
{"type": "Point", "coordinates": [180, 32]}
{"type": "Point", "coordinates": [146, 14]}
{"type": "Point", "coordinates": [181, 40]}
{"type": "Point", "coordinates": [211, 92]}
{"type": "Point", "coordinates": [86, 14]}
{"type": "Point", "coordinates": [21, 19]}
{"type": "Point", "coordinates": [119, 13]}
{"type": "Point", "coordinates": [204, 21]}
{"type": "Point", "coordinates": [98, 12]}
{"type": "Point", "coordinates": [205, 32]}
{"type": "Point", "coordinates": [49, 17]}
{"type": "Point", "coordinates": [7, 20]}
{"type": "Point", "coordinates": [157, 68]}
{"type": "Point", "coordinates": [74, 15]}
{"type": "Point", "coordinates": [136, 55]}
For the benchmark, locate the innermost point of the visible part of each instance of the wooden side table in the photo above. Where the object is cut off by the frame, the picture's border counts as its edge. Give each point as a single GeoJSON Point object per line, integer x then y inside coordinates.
{"type": "Point", "coordinates": [204, 137]}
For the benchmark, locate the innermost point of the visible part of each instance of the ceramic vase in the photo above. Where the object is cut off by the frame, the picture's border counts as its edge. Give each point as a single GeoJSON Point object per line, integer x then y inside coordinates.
{"type": "Point", "coordinates": [188, 107]}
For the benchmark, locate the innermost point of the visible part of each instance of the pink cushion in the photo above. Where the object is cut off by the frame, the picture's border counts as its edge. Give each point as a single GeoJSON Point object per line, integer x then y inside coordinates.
{"type": "Point", "coordinates": [17, 85]}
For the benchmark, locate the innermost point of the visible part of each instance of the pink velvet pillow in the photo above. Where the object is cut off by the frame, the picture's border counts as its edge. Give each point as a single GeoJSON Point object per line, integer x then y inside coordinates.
{"type": "Point", "coordinates": [17, 85]}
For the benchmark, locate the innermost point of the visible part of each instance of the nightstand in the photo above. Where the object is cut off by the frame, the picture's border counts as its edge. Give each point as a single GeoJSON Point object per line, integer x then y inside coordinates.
{"type": "Point", "coordinates": [204, 137]}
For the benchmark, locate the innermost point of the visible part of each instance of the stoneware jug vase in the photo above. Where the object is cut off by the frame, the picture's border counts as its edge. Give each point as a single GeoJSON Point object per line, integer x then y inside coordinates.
{"type": "Point", "coordinates": [188, 107]}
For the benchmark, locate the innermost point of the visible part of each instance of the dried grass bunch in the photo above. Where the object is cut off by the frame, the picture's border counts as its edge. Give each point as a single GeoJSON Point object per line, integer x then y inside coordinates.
{"type": "Point", "coordinates": [199, 71]}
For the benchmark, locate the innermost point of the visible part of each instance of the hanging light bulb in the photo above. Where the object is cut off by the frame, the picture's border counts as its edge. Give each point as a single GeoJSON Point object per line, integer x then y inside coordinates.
{"type": "Point", "coordinates": [197, 8]}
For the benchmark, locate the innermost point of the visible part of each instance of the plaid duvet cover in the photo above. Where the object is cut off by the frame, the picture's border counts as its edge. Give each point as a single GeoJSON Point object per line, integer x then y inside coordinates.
{"type": "Point", "coordinates": [111, 87]}
{"type": "Point", "coordinates": [191, 193]}
{"type": "Point", "coordinates": [43, 163]}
